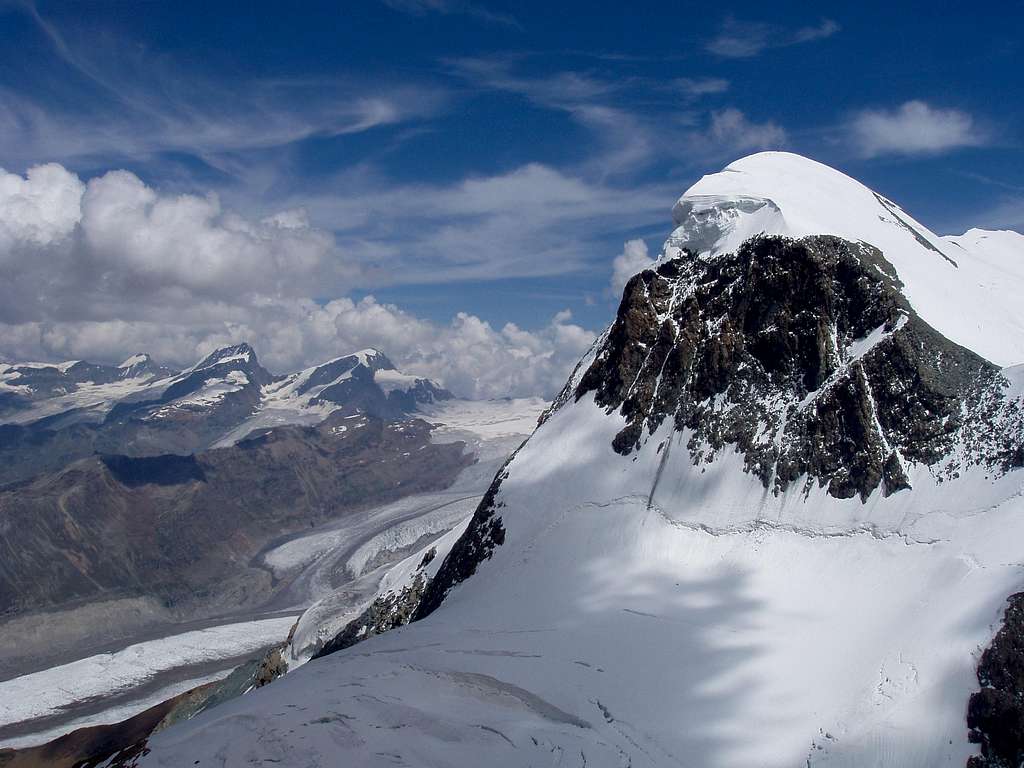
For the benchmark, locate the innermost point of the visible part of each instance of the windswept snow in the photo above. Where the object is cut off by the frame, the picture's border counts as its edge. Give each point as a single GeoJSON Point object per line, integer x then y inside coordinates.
{"type": "Point", "coordinates": [98, 398]}
{"type": "Point", "coordinates": [484, 419]}
{"type": "Point", "coordinates": [968, 288]}
{"type": "Point", "coordinates": [212, 392]}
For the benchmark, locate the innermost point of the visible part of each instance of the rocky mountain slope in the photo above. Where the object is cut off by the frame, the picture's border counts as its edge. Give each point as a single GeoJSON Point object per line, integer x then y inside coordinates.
{"type": "Point", "coordinates": [55, 414]}
{"type": "Point", "coordinates": [186, 529]}
{"type": "Point", "coordinates": [772, 519]}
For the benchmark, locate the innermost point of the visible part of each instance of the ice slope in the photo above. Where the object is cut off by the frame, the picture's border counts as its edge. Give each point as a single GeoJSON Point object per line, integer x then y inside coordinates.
{"type": "Point", "coordinates": [969, 288]}
{"type": "Point", "coordinates": [606, 632]}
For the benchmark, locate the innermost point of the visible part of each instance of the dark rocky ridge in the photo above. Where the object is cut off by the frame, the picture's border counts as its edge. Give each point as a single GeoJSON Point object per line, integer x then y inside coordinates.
{"type": "Point", "coordinates": [749, 350]}
{"type": "Point", "coordinates": [995, 714]}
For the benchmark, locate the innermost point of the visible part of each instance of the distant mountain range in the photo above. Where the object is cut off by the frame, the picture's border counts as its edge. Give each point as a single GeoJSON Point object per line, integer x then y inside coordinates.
{"type": "Point", "coordinates": [54, 413]}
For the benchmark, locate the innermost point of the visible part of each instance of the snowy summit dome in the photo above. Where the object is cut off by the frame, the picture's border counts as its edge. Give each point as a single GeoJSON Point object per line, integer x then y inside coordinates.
{"type": "Point", "coordinates": [968, 291]}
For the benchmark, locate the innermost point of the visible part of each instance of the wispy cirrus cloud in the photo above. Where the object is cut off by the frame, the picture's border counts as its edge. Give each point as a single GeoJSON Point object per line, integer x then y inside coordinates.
{"type": "Point", "coordinates": [914, 128]}
{"type": "Point", "coordinates": [121, 101]}
{"type": "Point", "coordinates": [635, 120]}
{"type": "Point", "coordinates": [260, 116]}
{"type": "Point", "coordinates": [744, 39]}
{"type": "Point", "coordinates": [454, 7]}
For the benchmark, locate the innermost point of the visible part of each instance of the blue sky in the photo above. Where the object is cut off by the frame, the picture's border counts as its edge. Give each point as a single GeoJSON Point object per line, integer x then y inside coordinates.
{"type": "Point", "coordinates": [485, 159]}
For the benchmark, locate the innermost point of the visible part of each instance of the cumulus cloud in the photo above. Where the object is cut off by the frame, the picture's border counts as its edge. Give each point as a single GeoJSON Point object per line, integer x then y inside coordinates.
{"type": "Point", "coordinates": [744, 39]}
{"type": "Point", "coordinates": [100, 269]}
{"type": "Point", "coordinates": [41, 208]}
{"type": "Point", "coordinates": [914, 128]}
{"type": "Point", "coordinates": [633, 259]}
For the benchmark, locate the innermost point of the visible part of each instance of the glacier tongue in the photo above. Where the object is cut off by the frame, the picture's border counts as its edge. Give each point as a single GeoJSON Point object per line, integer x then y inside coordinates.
{"type": "Point", "coordinates": [964, 287]}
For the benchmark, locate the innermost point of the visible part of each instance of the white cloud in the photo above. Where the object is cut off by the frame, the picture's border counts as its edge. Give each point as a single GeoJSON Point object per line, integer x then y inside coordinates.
{"type": "Point", "coordinates": [110, 267]}
{"type": "Point", "coordinates": [914, 128]}
{"type": "Point", "coordinates": [41, 208]}
{"type": "Point", "coordinates": [634, 258]}
{"type": "Point", "coordinates": [745, 39]}
{"type": "Point", "coordinates": [187, 241]}
{"type": "Point", "coordinates": [732, 129]}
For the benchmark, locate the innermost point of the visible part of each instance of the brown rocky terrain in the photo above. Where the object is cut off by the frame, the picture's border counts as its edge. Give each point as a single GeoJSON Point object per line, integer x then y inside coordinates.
{"type": "Point", "coordinates": [186, 529]}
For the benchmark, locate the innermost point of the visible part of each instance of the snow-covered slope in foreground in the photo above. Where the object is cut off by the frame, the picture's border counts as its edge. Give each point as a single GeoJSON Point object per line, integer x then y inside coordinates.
{"type": "Point", "coordinates": [772, 520]}
{"type": "Point", "coordinates": [964, 287]}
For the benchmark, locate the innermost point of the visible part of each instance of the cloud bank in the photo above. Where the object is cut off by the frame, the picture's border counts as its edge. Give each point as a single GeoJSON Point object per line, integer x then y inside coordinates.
{"type": "Point", "coordinates": [94, 269]}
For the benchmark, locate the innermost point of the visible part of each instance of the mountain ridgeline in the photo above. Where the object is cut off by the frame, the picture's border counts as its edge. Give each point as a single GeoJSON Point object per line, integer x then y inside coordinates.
{"type": "Point", "coordinates": [56, 414]}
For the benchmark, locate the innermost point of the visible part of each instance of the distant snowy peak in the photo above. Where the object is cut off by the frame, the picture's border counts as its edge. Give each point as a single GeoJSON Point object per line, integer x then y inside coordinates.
{"type": "Point", "coordinates": [141, 365]}
{"type": "Point", "coordinates": [242, 354]}
{"type": "Point", "coordinates": [34, 381]}
{"type": "Point", "coordinates": [966, 287]}
{"type": "Point", "coordinates": [365, 380]}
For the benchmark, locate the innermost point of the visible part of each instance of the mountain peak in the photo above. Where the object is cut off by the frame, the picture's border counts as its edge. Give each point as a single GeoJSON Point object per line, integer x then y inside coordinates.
{"type": "Point", "coordinates": [140, 358]}
{"type": "Point", "coordinates": [373, 358]}
{"type": "Point", "coordinates": [234, 353]}
{"type": "Point", "coordinates": [780, 193]}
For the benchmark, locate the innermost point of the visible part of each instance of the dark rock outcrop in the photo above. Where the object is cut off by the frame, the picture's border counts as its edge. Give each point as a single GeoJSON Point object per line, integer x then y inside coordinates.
{"type": "Point", "coordinates": [995, 714]}
{"type": "Point", "coordinates": [802, 354]}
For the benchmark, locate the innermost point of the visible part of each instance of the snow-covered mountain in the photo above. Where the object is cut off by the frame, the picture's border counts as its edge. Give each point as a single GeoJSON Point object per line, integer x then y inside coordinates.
{"type": "Point", "coordinates": [34, 391]}
{"type": "Point", "coordinates": [773, 519]}
{"type": "Point", "coordinates": [365, 382]}
{"type": "Point", "coordinates": [51, 414]}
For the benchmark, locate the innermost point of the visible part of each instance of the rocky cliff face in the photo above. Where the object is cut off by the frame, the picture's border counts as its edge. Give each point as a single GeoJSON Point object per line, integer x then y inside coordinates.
{"type": "Point", "coordinates": [803, 356]}
{"type": "Point", "coordinates": [995, 713]}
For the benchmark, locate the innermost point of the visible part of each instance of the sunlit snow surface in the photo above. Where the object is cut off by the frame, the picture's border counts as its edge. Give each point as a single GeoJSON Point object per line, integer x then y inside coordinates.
{"type": "Point", "coordinates": [720, 626]}
{"type": "Point", "coordinates": [638, 616]}
{"type": "Point", "coordinates": [969, 288]}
